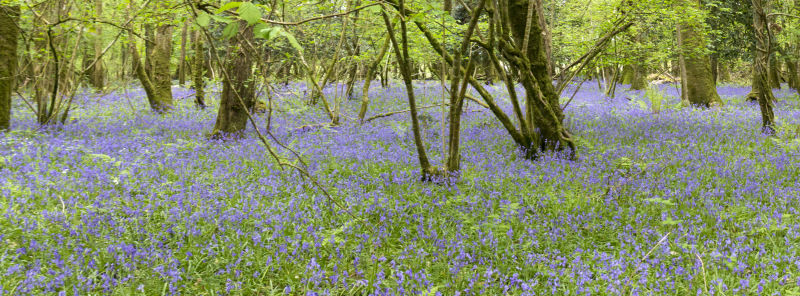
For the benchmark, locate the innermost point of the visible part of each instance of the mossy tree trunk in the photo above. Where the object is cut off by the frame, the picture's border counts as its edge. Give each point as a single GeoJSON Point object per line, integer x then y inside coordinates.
{"type": "Point", "coordinates": [793, 81]}
{"type": "Point", "coordinates": [149, 45]}
{"type": "Point", "coordinates": [627, 74]}
{"type": "Point", "coordinates": [182, 60]}
{"type": "Point", "coordinates": [639, 78]}
{"type": "Point", "coordinates": [548, 38]}
{"type": "Point", "coordinates": [761, 89]}
{"type": "Point", "coordinates": [238, 86]}
{"type": "Point", "coordinates": [724, 73]}
{"type": "Point", "coordinates": [369, 76]}
{"type": "Point", "coordinates": [774, 72]}
{"type": "Point", "coordinates": [9, 33]}
{"type": "Point", "coordinates": [141, 74]}
{"type": "Point", "coordinates": [541, 99]}
{"type": "Point", "coordinates": [199, 67]}
{"type": "Point", "coordinates": [161, 76]}
{"type": "Point", "coordinates": [699, 82]}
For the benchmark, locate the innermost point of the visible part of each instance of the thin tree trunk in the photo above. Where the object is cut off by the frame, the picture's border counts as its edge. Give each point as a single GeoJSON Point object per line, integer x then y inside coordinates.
{"type": "Point", "coordinates": [182, 60]}
{"type": "Point", "coordinates": [197, 75]}
{"type": "Point", "coordinates": [368, 79]}
{"type": "Point", "coordinates": [141, 74]}
{"type": "Point", "coordinates": [98, 72]}
{"type": "Point", "coordinates": [9, 34]}
{"type": "Point", "coordinates": [404, 64]}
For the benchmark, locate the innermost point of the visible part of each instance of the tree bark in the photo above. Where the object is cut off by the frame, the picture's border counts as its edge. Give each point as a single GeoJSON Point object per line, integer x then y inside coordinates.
{"type": "Point", "coordinates": [761, 89]}
{"type": "Point", "coordinates": [9, 33]}
{"type": "Point", "coordinates": [199, 67]}
{"type": "Point", "coordinates": [627, 74]}
{"type": "Point", "coordinates": [161, 76]}
{"type": "Point", "coordinates": [699, 83]}
{"type": "Point", "coordinates": [368, 79]}
{"type": "Point", "coordinates": [547, 37]}
{"type": "Point", "coordinates": [238, 86]}
{"type": "Point", "coordinates": [404, 65]}
{"type": "Point", "coordinates": [793, 81]}
{"type": "Point", "coordinates": [98, 71]}
{"type": "Point", "coordinates": [141, 74]}
{"type": "Point", "coordinates": [542, 102]}
{"type": "Point", "coordinates": [149, 45]}
{"type": "Point", "coordinates": [774, 72]}
{"type": "Point", "coordinates": [639, 78]}
{"type": "Point", "coordinates": [182, 60]}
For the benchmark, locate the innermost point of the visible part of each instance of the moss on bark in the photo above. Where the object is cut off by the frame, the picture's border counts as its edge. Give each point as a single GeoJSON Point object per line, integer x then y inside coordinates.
{"type": "Point", "coordinates": [542, 99]}
{"type": "Point", "coordinates": [9, 32]}
{"type": "Point", "coordinates": [238, 89]}
{"type": "Point", "coordinates": [699, 83]}
{"type": "Point", "coordinates": [161, 76]}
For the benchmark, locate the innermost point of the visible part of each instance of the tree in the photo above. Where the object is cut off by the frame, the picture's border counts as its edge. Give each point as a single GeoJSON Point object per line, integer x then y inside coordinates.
{"type": "Point", "coordinates": [160, 99]}
{"type": "Point", "coordinates": [97, 72]}
{"type": "Point", "coordinates": [9, 32]}
{"type": "Point", "coordinates": [238, 87]}
{"type": "Point", "coordinates": [761, 89]}
{"type": "Point", "coordinates": [699, 84]}
{"type": "Point", "coordinates": [199, 67]}
{"type": "Point", "coordinates": [161, 76]}
{"type": "Point", "coordinates": [543, 101]}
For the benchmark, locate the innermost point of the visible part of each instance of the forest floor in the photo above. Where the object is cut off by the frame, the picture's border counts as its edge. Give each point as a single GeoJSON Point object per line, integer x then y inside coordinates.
{"type": "Point", "coordinates": [123, 201]}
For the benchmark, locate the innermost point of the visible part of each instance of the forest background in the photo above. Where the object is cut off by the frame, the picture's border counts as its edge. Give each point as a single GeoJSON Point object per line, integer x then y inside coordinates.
{"type": "Point", "coordinates": [396, 147]}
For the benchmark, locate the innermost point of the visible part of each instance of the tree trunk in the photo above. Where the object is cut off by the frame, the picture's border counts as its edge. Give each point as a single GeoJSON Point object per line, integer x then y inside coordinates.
{"type": "Point", "coordinates": [9, 33]}
{"type": "Point", "coordinates": [627, 74]}
{"type": "Point", "coordinates": [548, 38]}
{"type": "Point", "coordinates": [774, 72]}
{"type": "Point", "coordinates": [404, 64]}
{"type": "Point", "coordinates": [724, 73]}
{"type": "Point", "coordinates": [161, 76]}
{"type": "Point", "coordinates": [182, 60]}
{"type": "Point", "coordinates": [793, 81]}
{"type": "Point", "coordinates": [639, 78]}
{"type": "Point", "coordinates": [98, 71]}
{"type": "Point", "coordinates": [197, 75]}
{"type": "Point", "coordinates": [699, 83]}
{"type": "Point", "coordinates": [714, 67]}
{"type": "Point", "coordinates": [761, 90]}
{"type": "Point", "coordinates": [141, 74]}
{"type": "Point", "coordinates": [544, 102]}
{"type": "Point", "coordinates": [368, 78]}
{"type": "Point", "coordinates": [238, 89]}
{"type": "Point", "coordinates": [149, 45]}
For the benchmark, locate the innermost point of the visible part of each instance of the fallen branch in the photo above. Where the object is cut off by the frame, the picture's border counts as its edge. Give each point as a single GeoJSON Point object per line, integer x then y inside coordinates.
{"type": "Point", "coordinates": [401, 111]}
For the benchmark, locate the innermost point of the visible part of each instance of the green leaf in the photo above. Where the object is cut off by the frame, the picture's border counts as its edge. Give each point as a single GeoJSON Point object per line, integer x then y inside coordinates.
{"type": "Point", "coordinates": [661, 201]}
{"type": "Point", "coordinates": [671, 222]}
{"type": "Point", "coordinates": [230, 30]}
{"type": "Point", "coordinates": [292, 41]}
{"type": "Point", "coordinates": [229, 5]}
{"type": "Point", "coordinates": [373, 9]}
{"type": "Point", "coordinates": [202, 19]}
{"type": "Point", "coordinates": [624, 163]}
{"type": "Point", "coordinates": [250, 13]}
{"type": "Point", "coordinates": [221, 19]}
